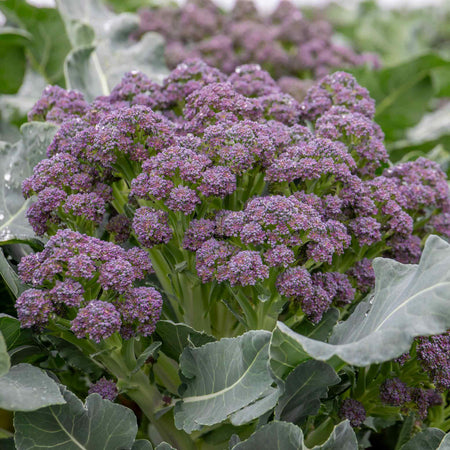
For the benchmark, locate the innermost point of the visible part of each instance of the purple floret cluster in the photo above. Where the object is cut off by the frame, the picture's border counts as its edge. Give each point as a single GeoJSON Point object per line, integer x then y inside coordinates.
{"type": "Point", "coordinates": [107, 389]}
{"type": "Point", "coordinates": [240, 181]}
{"type": "Point", "coordinates": [353, 411]}
{"type": "Point", "coordinates": [394, 392]}
{"type": "Point", "coordinates": [90, 282]}
{"type": "Point", "coordinates": [285, 43]}
{"type": "Point", "coordinates": [434, 355]}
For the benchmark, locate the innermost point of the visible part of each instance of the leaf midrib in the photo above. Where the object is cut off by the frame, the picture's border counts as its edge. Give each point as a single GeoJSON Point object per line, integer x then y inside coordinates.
{"type": "Point", "coordinates": [199, 398]}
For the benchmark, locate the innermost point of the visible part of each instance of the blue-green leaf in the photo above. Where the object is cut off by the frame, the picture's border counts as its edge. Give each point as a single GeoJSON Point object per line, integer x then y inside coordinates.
{"type": "Point", "coordinates": [221, 378]}
{"type": "Point", "coordinates": [18, 161]}
{"type": "Point", "coordinates": [276, 436]}
{"type": "Point", "coordinates": [409, 300]}
{"type": "Point", "coordinates": [176, 336]}
{"type": "Point", "coordinates": [27, 388]}
{"type": "Point", "coordinates": [428, 439]}
{"type": "Point", "coordinates": [303, 389]}
{"type": "Point", "coordinates": [99, 424]}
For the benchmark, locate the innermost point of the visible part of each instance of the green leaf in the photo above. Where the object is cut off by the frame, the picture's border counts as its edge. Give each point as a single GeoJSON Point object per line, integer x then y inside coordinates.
{"type": "Point", "coordinates": [428, 439]}
{"type": "Point", "coordinates": [147, 353]}
{"type": "Point", "coordinates": [14, 335]}
{"type": "Point", "coordinates": [99, 424]}
{"type": "Point", "coordinates": [445, 443]}
{"type": "Point", "coordinates": [10, 277]}
{"type": "Point", "coordinates": [27, 388]}
{"type": "Point", "coordinates": [4, 357]}
{"type": "Point", "coordinates": [322, 330]}
{"type": "Point", "coordinates": [14, 108]}
{"type": "Point", "coordinates": [142, 444]}
{"type": "Point", "coordinates": [221, 378]}
{"type": "Point", "coordinates": [18, 161]}
{"type": "Point", "coordinates": [7, 444]}
{"type": "Point", "coordinates": [402, 92]}
{"type": "Point", "coordinates": [343, 438]}
{"type": "Point", "coordinates": [285, 354]}
{"type": "Point", "coordinates": [176, 336]}
{"type": "Point", "coordinates": [256, 409]}
{"type": "Point", "coordinates": [12, 51]}
{"type": "Point", "coordinates": [49, 45]}
{"type": "Point", "coordinates": [95, 66]}
{"type": "Point", "coordinates": [276, 436]}
{"type": "Point", "coordinates": [409, 300]}
{"type": "Point", "coordinates": [164, 446]}
{"type": "Point", "coordinates": [84, 74]}
{"type": "Point", "coordinates": [74, 357]}
{"type": "Point", "coordinates": [303, 389]}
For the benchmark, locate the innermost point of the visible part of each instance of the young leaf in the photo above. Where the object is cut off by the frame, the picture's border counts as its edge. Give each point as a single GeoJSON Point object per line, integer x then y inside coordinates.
{"type": "Point", "coordinates": [303, 389]}
{"type": "Point", "coordinates": [221, 378]}
{"type": "Point", "coordinates": [149, 351]}
{"type": "Point", "coordinates": [27, 388]}
{"type": "Point", "coordinates": [176, 336]}
{"type": "Point", "coordinates": [4, 357]}
{"type": "Point", "coordinates": [408, 301]}
{"type": "Point", "coordinates": [99, 424]}
{"type": "Point", "coordinates": [18, 161]}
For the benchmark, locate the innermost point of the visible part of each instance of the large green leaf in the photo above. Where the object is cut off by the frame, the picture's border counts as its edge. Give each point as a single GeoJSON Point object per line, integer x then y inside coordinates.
{"type": "Point", "coordinates": [445, 443]}
{"type": "Point", "coordinates": [428, 439]}
{"type": "Point", "coordinates": [176, 336]}
{"type": "Point", "coordinates": [94, 66]}
{"type": "Point", "coordinates": [303, 389]}
{"type": "Point", "coordinates": [4, 357]}
{"type": "Point", "coordinates": [256, 409]}
{"type": "Point", "coordinates": [402, 92]}
{"type": "Point", "coordinates": [99, 424]}
{"type": "Point", "coordinates": [221, 378]}
{"type": "Point", "coordinates": [12, 53]}
{"type": "Point", "coordinates": [49, 45]}
{"type": "Point", "coordinates": [408, 301]}
{"type": "Point", "coordinates": [18, 161]}
{"type": "Point", "coordinates": [27, 388]}
{"type": "Point", "coordinates": [287, 436]}
{"type": "Point", "coordinates": [276, 436]}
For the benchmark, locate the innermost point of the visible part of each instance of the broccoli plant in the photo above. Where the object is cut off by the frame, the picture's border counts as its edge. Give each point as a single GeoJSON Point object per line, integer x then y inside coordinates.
{"type": "Point", "coordinates": [213, 249]}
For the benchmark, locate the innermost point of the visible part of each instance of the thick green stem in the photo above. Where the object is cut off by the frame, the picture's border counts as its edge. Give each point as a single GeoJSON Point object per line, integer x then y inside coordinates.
{"type": "Point", "coordinates": [149, 399]}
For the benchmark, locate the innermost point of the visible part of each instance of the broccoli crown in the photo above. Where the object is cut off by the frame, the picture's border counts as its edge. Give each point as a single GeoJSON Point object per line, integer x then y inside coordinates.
{"type": "Point", "coordinates": [241, 182]}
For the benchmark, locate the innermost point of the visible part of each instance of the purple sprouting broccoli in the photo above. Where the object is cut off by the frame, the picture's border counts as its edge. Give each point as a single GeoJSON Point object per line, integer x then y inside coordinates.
{"type": "Point", "coordinates": [395, 392]}
{"type": "Point", "coordinates": [70, 269]}
{"type": "Point", "coordinates": [434, 355]}
{"type": "Point", "coordinates": [233, 181]}
{"type": "Point", "coordinates": [107, 389]}
{"type": "Point", "coordinates": [285, 43]}
{"type": "Point", "coordinates": [354, 411]}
